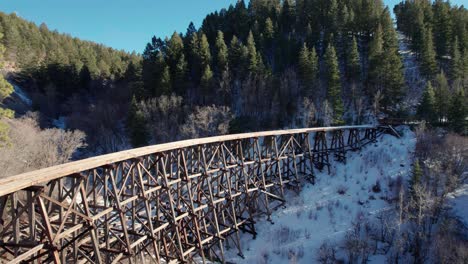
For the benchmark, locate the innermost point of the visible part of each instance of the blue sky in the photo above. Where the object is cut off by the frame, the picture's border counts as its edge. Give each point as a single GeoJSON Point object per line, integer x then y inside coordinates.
{"type": "Point", "coordinates": [121, 24]}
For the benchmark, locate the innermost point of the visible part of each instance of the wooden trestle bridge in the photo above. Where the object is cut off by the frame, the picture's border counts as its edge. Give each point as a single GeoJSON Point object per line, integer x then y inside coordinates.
{"type": "Point", "coordinates": [184, 201]}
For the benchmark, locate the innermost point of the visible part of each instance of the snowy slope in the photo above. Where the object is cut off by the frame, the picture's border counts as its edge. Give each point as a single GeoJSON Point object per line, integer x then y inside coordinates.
{"type": "Point", "coordinates": [18, 101]}
{"type": "Point", "coordinates": [414, 80]}
{"type": "Point", "coordinates": [459, 201]}
{"type": "Point", "coordinates": [22, 95]}
{"type": "Point", "coordinates": [321, 213]}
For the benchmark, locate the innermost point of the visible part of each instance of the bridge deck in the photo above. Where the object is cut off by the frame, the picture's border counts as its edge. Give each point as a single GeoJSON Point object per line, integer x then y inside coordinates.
{"type": "Point", "coordinates": [17, 182]}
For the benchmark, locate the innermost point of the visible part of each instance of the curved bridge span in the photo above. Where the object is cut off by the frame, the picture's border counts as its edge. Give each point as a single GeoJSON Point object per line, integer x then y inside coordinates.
{"type": "Point", "coordinates": [184, 201]}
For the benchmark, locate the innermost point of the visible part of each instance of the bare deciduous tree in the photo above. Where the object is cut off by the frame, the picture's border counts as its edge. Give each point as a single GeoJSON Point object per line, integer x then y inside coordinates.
{"type": "Point", "coordinates": [32, 148]}
{"type": "Point", "coordinates": [207, 121]}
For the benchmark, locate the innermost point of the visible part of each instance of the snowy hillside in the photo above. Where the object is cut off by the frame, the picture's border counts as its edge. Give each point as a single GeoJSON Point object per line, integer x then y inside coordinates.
{"type": "Point", "coordinates": [414, 80]}
{"type": "Point", "coordinates": [459, 202]}
{"type": "Point", "coordinates": [326, 210]}
{"type": "Point", "coordinates": [18, 101]}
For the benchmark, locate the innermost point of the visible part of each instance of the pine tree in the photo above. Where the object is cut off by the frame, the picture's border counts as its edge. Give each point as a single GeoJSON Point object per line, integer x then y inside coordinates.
{"type": "Point", "coordinates": [465, 63]}
{"type": "Point", "coordinates": [222, 52]}
{"type": "Point", "coordinates": [269, 31]}
{"type": "Point", "coordinates": [442, 96]}
{"type": "Point", "coordinates": [428, 55]}
{"type": "Point", "coordinates": [174, 50]}
{"type": "Point", "coordinates": [5, 90]}
{"type": "Point", "coordinates": [252, 53]}
{"type": "Point", "coordinates": [458, 113]}
{"type": "Point", "coordinates": [353, 66]}
{"type": "Point", "coordinates": [238, 55]}
{"type": "Point", "coordinates": [427, 108]}
{"type": "Point", "coordinates": [133, 78]}
{"type": "Point", "coordinates": [180, 75]}
{"type": "Point", "coordinates": [442, 27]}
{"type": "Point", "coordinates": [456, 62]}
{"type": "Point", "coordinates": [418, 34]}
{"type": "Point", "coordinates": [416, 178]}
{"type": "Point", "coordinates": [308, 67]}
{"type": "Point", "coordinates": [304, 64]}
{"type": "Point", "coordinates": [206, 82]}
{"type": "Point", "coordinates": [288, 17]}
{"type": "Point", "coordinates": [136, 126]}
{"type": "Point", "coordinates": [204, 54]}
{"type": "Point", "coordinates": [392, 69]}
{"type": "Point", "coordinates": [375, 62]}
{"type": "Point", "coordinates": [164, 85]}
{"type": "Point", "coordinates": [174, 47]}
{"type": "Point", "coordinates": [334, 84]}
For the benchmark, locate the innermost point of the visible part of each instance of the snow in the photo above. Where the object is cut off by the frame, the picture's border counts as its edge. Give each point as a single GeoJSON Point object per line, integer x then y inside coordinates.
{"type": "Point", "coordinates": [459, 202]}
{"type": "Point", "coordinates": [414, 80]}
{"type": "Point", "coordinates": [319, 212]}
{"type": "Point", "coordinates": [22, 95]}
{"type": "Point", "coordinates": [59, 122]}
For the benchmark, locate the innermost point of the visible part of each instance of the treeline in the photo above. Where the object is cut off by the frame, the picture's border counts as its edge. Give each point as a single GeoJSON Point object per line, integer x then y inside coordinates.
{"type": "Point", "coordinates": [281, 63]}
{"type": "Point", "coordinates": [52, 58]}
{"type": "Point", "coordinates": [438, 33]}
{"type": "Point", "coordinates": [82, 82]}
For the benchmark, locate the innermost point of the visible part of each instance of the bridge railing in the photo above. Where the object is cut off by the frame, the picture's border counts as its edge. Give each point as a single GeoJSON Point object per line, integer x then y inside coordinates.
{"type": "Point", "coordinates": [183, 201]}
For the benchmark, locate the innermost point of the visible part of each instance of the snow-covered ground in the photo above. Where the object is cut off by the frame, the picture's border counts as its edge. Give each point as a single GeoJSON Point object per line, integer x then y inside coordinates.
{"type": "Point", "coordinates": [459, 202]}
{"type": "Point", "coordinates": [18, 101]}
{"type": "Point", "coordinates": [326, 210]}
{"type": "Point", "coordinates": [414, 80]}
{"type": "Point", "coordinates": [22, 95]}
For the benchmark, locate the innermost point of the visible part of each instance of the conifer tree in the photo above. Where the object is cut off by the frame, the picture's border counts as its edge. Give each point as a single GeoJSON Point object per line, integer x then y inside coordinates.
{"type": "Point", "coordinates": [465, 63]}
{"type": "Point", "coordinates": [288, 17]}
{"type": "Point", "coordinates": [5, 90]}
{"type": "Point", "coordinates": [428, 55]}
{"type": "Point", "coordinates": [252, 53]}
{"type": "Point", "coordinates": [442, 96]}
{"type": "Point", "coordinates": [164, 85]}
{"type": "Point", "coordinates": [458, 112]}
{"type": "Point", "coordinates": [269, 31]}
{"type": "Point", "coordinates": [304, 64]}
{"type": "Point", "coordinates": [132, 76]}
{"type": "Point", "coordinates": [204, 54]}
{"type": "Point", "coordinates": [442, 24]}
{"type": "Point", "coordinates": [418, 34]}
{"type": "Point", "coordinates": [177, 63]}
{"type": "Point", "coordinates": [180, 75]}
{"type": "Point", "coordinates": [392, 67]}
{"type": "Point", "coordinates": [308, 67]}
{"type": "Point", "coordinates": [353, 66]}
{"type": "Point", "coordinates": [456, 61]}
{"type": "Point", "coordinates": [136, 126]}
{"type": "Point", "coordinates": [222, 52]}
{"type": "Point", "coordinates": [238, 54]}
{"type": "Point", "coordinates": [375, 62]}
{"type": "Point", "coordinates": [415, 180]}
{"type": "Point", "coordinates": [334, 84]}
{"type": "Point", "coordinates": [427, 109]}
{"type": "Point", "coordinates": [206, 82]}
{"type": "Point", "coordinates": [191, 50]}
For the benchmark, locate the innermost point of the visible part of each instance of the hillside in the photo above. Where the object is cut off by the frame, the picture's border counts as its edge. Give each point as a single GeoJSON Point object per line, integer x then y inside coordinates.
{"type": "Point", "coordinates": [356, 193]}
